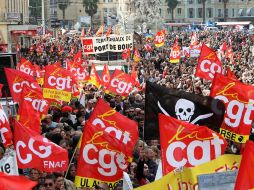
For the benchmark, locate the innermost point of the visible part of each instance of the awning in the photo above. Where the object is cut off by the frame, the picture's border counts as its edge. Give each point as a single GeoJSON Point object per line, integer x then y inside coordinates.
{"type": "Point", "coordinates": [232, 23]}
{"type": "Point", "coordinates": [24, 32]}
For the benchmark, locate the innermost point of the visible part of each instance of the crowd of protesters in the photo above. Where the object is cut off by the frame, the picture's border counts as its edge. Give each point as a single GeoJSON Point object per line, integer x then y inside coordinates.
{"type": "Point", "coordinates": [65, 125]}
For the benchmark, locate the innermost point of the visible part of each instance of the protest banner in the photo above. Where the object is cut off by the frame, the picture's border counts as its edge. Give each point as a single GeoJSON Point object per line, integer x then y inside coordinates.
{"type": "Point", "coordinates": [112, 43]}
{"type": "Point", "coordinates": [8, 164]}
{"type": "Point", "coordinates": [188, 178]}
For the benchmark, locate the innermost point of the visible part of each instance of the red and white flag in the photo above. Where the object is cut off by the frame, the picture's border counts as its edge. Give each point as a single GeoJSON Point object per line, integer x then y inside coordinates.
{"type": "Point", "coordinates": [106, 148]}
{"type": "Point", "coordinates": [185, 144]}
{"type": "Point", "coordinates": [105, 78]}
{"type": "Point", "coordinates": [36, 151]}
{"type": "Point", "coordinates": [208, 64]}
{"type": "Point", "coordinates": [5, 130]}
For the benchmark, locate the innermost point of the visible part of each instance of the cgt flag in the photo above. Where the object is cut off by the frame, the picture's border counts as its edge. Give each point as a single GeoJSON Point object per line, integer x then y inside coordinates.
{"type": "Point", "coordinates": [238, 99]}
{"type": "Point", "coordinates": [195, 109]}
{"type": "Point", "coordinates": [245, 177]}
{"type": "Point", "coordinates": [58, 83]}
{"type": "Point", "coordinates": [36, 151]}
{"type": "Point", "coordinates": [16, 80]}
{"type": "Point", "coordinates": [106, 147]}
{"type": "Point", "coordinates": [32, 107]}
{"type": "Point", "coordinates": [185, 144]}
{"type": "Point", "coordinates": [105, 77]}
{"type": "Point", "coordinates": [208, 64]}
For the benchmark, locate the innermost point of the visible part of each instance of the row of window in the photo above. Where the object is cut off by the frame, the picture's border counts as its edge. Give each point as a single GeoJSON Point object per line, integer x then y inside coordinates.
{"type": "Point", "coordinates": [209, 1]}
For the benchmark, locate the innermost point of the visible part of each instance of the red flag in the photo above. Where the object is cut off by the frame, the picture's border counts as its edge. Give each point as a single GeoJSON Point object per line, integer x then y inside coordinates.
{"type": "Point", "coordinates": [78, 58]}
{"type": "Point", "coordinates": [16, 80]}
{"type": "Point", "coordinates": [105, 78]}
{"type": "Point", "coordinates": [108, 31]}
{"type": "Point", "coordinates": [94, 77]}
{"type": "Point", "coordinates": [78, 71]}
{"type": "Point", "coordinates": [148, 47]}
{"type": "Point", "coordinates": [58, 83]}
{"type": "Point", "coordinates": [107, 146]}
{"type": "Point", "coordinates": [194, 40]}
{"type": "Point", "coordinates": [32, 107]}
{"type": "Point", "coordinates": [1, 93]}
{"type": "Point", "coordinates": [208, 64]}
{"type": "Point", "coordinates": [82, 32]}
{"type": "Point", "coordinates": [238, 99]}
{"type": "Point", "coordinates": [245, 177]}
{"type": "Point", "coordinates": [36, 151]}
{"type": "Point", "coordinates": [126, 53]}
{"type": "Point", "coordinates": [26, 66]}
{"type": "Point", "coordinates": [10, 182]}
{"type": "Point", "coordinates": [159, 38]}
{"type": "Point", "coordinates": [72, 49]}
{"type": "Point", "coordinates": [100, 31]}
{"type": "Point", "coordinates": [175, 54]}
{"type": "Point", "coordinates": [224, 47]}
{"type": "Point", "coordinates": [231, 75]}
{"type": "Point", "coordinates": [134, 76]}
{"type": "Point", "coordinates": [229, 53]}
{"type": "Point", "coordinates": [185, 144]}
{"type": "Point", "coordinates": [5, 130]}
{"type": "Point", "coordinates": [120, 83]}
{"type": "Point", "coordinates": [137, 56]}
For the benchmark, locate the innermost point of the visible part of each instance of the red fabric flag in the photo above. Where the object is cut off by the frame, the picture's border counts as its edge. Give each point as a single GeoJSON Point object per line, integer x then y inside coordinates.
{"type": "Point", "coordinates": [81, 74]}
{"type": "Point", "coordinates": [137, 56]}
{"type": "Point", "coordinates": [26, 66]}
{"type": "Point", "coordinates": [1, 93]}
{"type": "Point", "coordinates": [78, 58]}
{"type": "Point", "coordinates": [5, 130]}
{"type": "Point", "coordinates": [94, 77]}
{"type": "Point", "coordinates": [126, 53]}
{"type": "Point", "coordinates": [159, 38]}
{"type": "Point", "coordinates": [16, 80]}
{"type": "Point", "coordinates": [36, 151]}
{"type": "Point", "coordinates": [58, 83]}
{"type": "Point", "coordinates": [10, 182]}
{"type": "Point", "coordinates": [148, 47]}
{"type": "Point", "coordinates": [100, 31]}
{"type": "Point", "coordinates": [82, 32]}
{"type": "Point", "coordinates": [32, 107]}
{"type": "Point", "coordinates": [175, 54]}
{"type": "Point", "coordinates": [107, 146]}
{"type": "Point", "coordinates": [134, 76]}
{"type": "Point", "coordinates": [105, 78]}
{"type": "Point", "coordinates": [238, 99]}
{"type": "Point", "coordinates": [224, 47]}
{"type": "Point", "coordinates": [245, 177]}
{"type": "Point", "coordinates": [185, 144]}
{"type": "Point", "coordinates": [231, 75]}
{"type": "Point", "coordinates": [120, 83]}
{"type": "Point", "coordinates": [194, 40]}
{"type": "Point", "coordinates": [109, 31]}
{"type": "Point", "coordinates": [208, 64]}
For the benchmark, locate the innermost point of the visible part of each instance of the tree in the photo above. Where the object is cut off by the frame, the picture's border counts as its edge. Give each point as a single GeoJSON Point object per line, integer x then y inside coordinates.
{"type": "Point", "coordinates": [90, 8]}
{"type": "Point", "coordinates": [63, 4]}
{"type": "Point", "coordinates": [225, 2]}
{"type": "Point", "coordinates": [172, 4]}
{"type": "Point", "coordinates": [203, 3]}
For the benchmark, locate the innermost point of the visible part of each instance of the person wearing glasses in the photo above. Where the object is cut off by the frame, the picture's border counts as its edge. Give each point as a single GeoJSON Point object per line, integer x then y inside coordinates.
{"type": "Point", "coordinates": [49, 183]}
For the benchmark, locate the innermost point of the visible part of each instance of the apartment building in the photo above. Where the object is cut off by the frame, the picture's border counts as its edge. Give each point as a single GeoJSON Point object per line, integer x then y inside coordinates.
{"type": "Point", "coordinates": [14, 24]}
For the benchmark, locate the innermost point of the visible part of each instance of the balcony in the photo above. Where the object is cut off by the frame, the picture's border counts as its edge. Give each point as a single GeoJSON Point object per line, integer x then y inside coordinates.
{"type": "Point", "coordinates": [14, 16]}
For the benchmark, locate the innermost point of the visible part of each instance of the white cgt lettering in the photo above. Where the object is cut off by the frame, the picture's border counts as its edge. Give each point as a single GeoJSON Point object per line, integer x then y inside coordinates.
{"type": "Point", "coordinates": [37, 104]}
{"type": "Point", "coordinates": [105, 169]}
{"type": "Point", "coordinates": [118, 133]}
{"type": "Point", "coordinates": [17, 87]}
{"type": "Point", "coordinates": [122, 87]}
{"type": "Point", "coordinates": [46, 150]}
{"type": "Point", "coordinates": [60, 82]}
{"type": "Point", "coordinates": [210, 68]}
{"type": "Point", "coordinates": [191, 159]}
{"type": "Point", "coordinates": [235, 111]}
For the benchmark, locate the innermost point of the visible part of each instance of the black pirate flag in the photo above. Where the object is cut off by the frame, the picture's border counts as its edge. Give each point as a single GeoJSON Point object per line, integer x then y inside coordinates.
{"type": "Point", "coordinates": [189, 107]}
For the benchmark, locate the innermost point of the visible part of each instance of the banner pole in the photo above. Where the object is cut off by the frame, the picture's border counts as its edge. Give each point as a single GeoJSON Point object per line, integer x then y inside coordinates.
{"type": "Point", "coordinates": [71, 161]}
